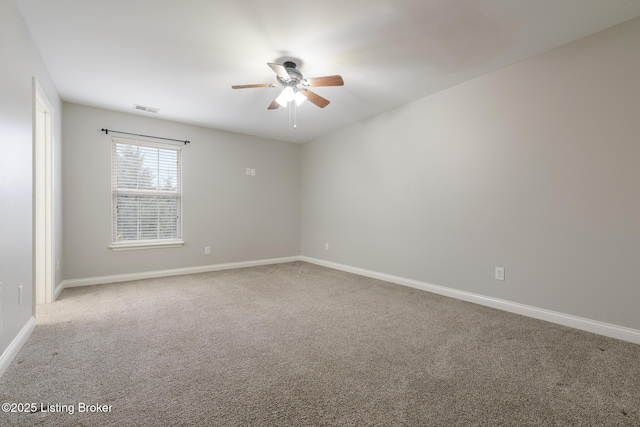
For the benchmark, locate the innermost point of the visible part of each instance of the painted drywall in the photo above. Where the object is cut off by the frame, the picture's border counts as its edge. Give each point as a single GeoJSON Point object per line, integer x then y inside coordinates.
{"type": "Point", "coordinates": [241, 217]}
{"type": "Point", "coordinates": [533, 168]}
{"type": "Point", "coordinates": [21, 63]}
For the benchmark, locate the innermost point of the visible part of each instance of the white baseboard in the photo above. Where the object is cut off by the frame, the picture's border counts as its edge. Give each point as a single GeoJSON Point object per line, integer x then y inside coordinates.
{"type": "Point", "coordinates": [601, 328]}
{"type": "Point", "coordinates": [166, 273]}
{"type": "Point", "coordinates": [12, 351]}
{"type": "Point", "coordinates": [58, 290]}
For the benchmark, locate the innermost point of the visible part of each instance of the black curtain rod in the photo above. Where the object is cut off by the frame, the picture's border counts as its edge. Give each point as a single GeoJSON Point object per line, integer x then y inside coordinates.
{"type": "Point", "coordinates": [106, 131]}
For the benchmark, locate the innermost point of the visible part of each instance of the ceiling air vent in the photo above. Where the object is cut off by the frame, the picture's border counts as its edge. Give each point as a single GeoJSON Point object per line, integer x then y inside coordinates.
{"type": "Point", "coordinates": [147, 109]}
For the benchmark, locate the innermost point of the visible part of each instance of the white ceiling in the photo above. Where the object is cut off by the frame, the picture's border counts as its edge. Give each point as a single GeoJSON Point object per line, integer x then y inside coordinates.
{"type": "Point", "coordinates": [183, 56]}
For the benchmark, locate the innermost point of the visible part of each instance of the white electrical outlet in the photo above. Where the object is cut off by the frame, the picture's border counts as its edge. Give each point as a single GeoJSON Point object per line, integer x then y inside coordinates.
{"type": "Point", "coordinates": [248, 171]}
{"type": "Point", "coordinates": [499, 273]}
{"type": "Point", "coordinates": [20, 295]}
{"type": "Point", "coordinates": [326, 246]}
{"type": "Point", "coordinates": [207, 250]}
{"type": "Point", "coordinates": [253, 172]}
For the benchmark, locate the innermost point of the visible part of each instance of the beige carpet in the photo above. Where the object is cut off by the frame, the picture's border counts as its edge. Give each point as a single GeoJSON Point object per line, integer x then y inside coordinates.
{"type": "Point", "coordinates": [301, 345]}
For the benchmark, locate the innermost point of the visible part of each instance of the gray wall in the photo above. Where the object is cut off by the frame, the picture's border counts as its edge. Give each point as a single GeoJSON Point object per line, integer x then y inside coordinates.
{"type": "Point", "coordinates": [242, 218]}
{"type": "Point", "coordinates": [21, 62]}
{"type": "Point", "coordinates": [534, 168]}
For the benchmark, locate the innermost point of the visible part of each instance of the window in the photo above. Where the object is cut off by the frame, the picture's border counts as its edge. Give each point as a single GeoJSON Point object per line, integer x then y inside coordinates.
{"type": "Point", "coordinates": [146, 194]}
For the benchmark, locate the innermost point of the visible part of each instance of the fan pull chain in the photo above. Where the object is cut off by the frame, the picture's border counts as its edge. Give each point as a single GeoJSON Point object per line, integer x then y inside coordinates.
{"type": "Point", "coordinates": [295, 114]}
{"type": "Point", "coordinates": [292, 107]}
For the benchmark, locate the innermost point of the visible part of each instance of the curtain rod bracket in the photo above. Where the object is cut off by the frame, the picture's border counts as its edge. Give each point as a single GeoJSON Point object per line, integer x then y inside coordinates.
{"type": "Point", "coordinates": [106, 131]}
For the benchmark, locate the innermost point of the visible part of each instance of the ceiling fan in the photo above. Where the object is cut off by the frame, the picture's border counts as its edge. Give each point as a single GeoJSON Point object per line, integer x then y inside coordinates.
{"type": "Point", "coordinates": [290, 78]}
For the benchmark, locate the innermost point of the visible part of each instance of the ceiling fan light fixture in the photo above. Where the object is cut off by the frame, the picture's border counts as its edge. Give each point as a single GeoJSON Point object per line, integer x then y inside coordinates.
{"type": "Point", "coordinates": [299, 98]}
{"type": "Point", "coordinates": [287, 95]}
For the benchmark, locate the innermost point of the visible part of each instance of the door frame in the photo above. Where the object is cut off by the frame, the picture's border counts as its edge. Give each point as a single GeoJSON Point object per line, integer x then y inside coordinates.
{"type": "Point", "coordinates": [43, 274]}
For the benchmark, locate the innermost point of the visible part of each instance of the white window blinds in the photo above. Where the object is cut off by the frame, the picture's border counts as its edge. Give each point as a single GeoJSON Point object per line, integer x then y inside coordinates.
{"type": "Point", "coordinates": [146, 193]}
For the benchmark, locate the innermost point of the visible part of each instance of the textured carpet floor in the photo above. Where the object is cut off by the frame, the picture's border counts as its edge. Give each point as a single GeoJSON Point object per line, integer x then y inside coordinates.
{"type": "Point", "coordinates": [301, 345]}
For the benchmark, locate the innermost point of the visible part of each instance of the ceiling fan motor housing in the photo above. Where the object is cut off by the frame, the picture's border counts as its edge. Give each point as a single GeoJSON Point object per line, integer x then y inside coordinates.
{"type": "Point", "coordinates": [294, 75]}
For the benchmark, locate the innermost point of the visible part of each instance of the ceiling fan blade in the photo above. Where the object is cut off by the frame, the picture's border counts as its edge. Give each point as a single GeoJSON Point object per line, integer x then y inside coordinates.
{"type": "Point", "coordinates": [280, 71]}
{"type": "Point", "coordinates": [274, 105]}
{"type": "Point", "coordinates": [315, 98]}
{"type": "Point", "coordinates": [252, 86]}
{"type": "Point", "coordinates": [323, 81]}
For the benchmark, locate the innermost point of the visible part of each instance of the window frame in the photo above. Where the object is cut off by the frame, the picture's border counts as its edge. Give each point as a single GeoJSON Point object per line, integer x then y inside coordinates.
{"type": "Point", "coordinates": [126, 245]}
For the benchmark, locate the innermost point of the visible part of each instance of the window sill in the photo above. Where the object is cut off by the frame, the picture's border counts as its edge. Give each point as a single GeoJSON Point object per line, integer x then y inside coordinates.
{"type": "Point", "coordinates": [146, 245]}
